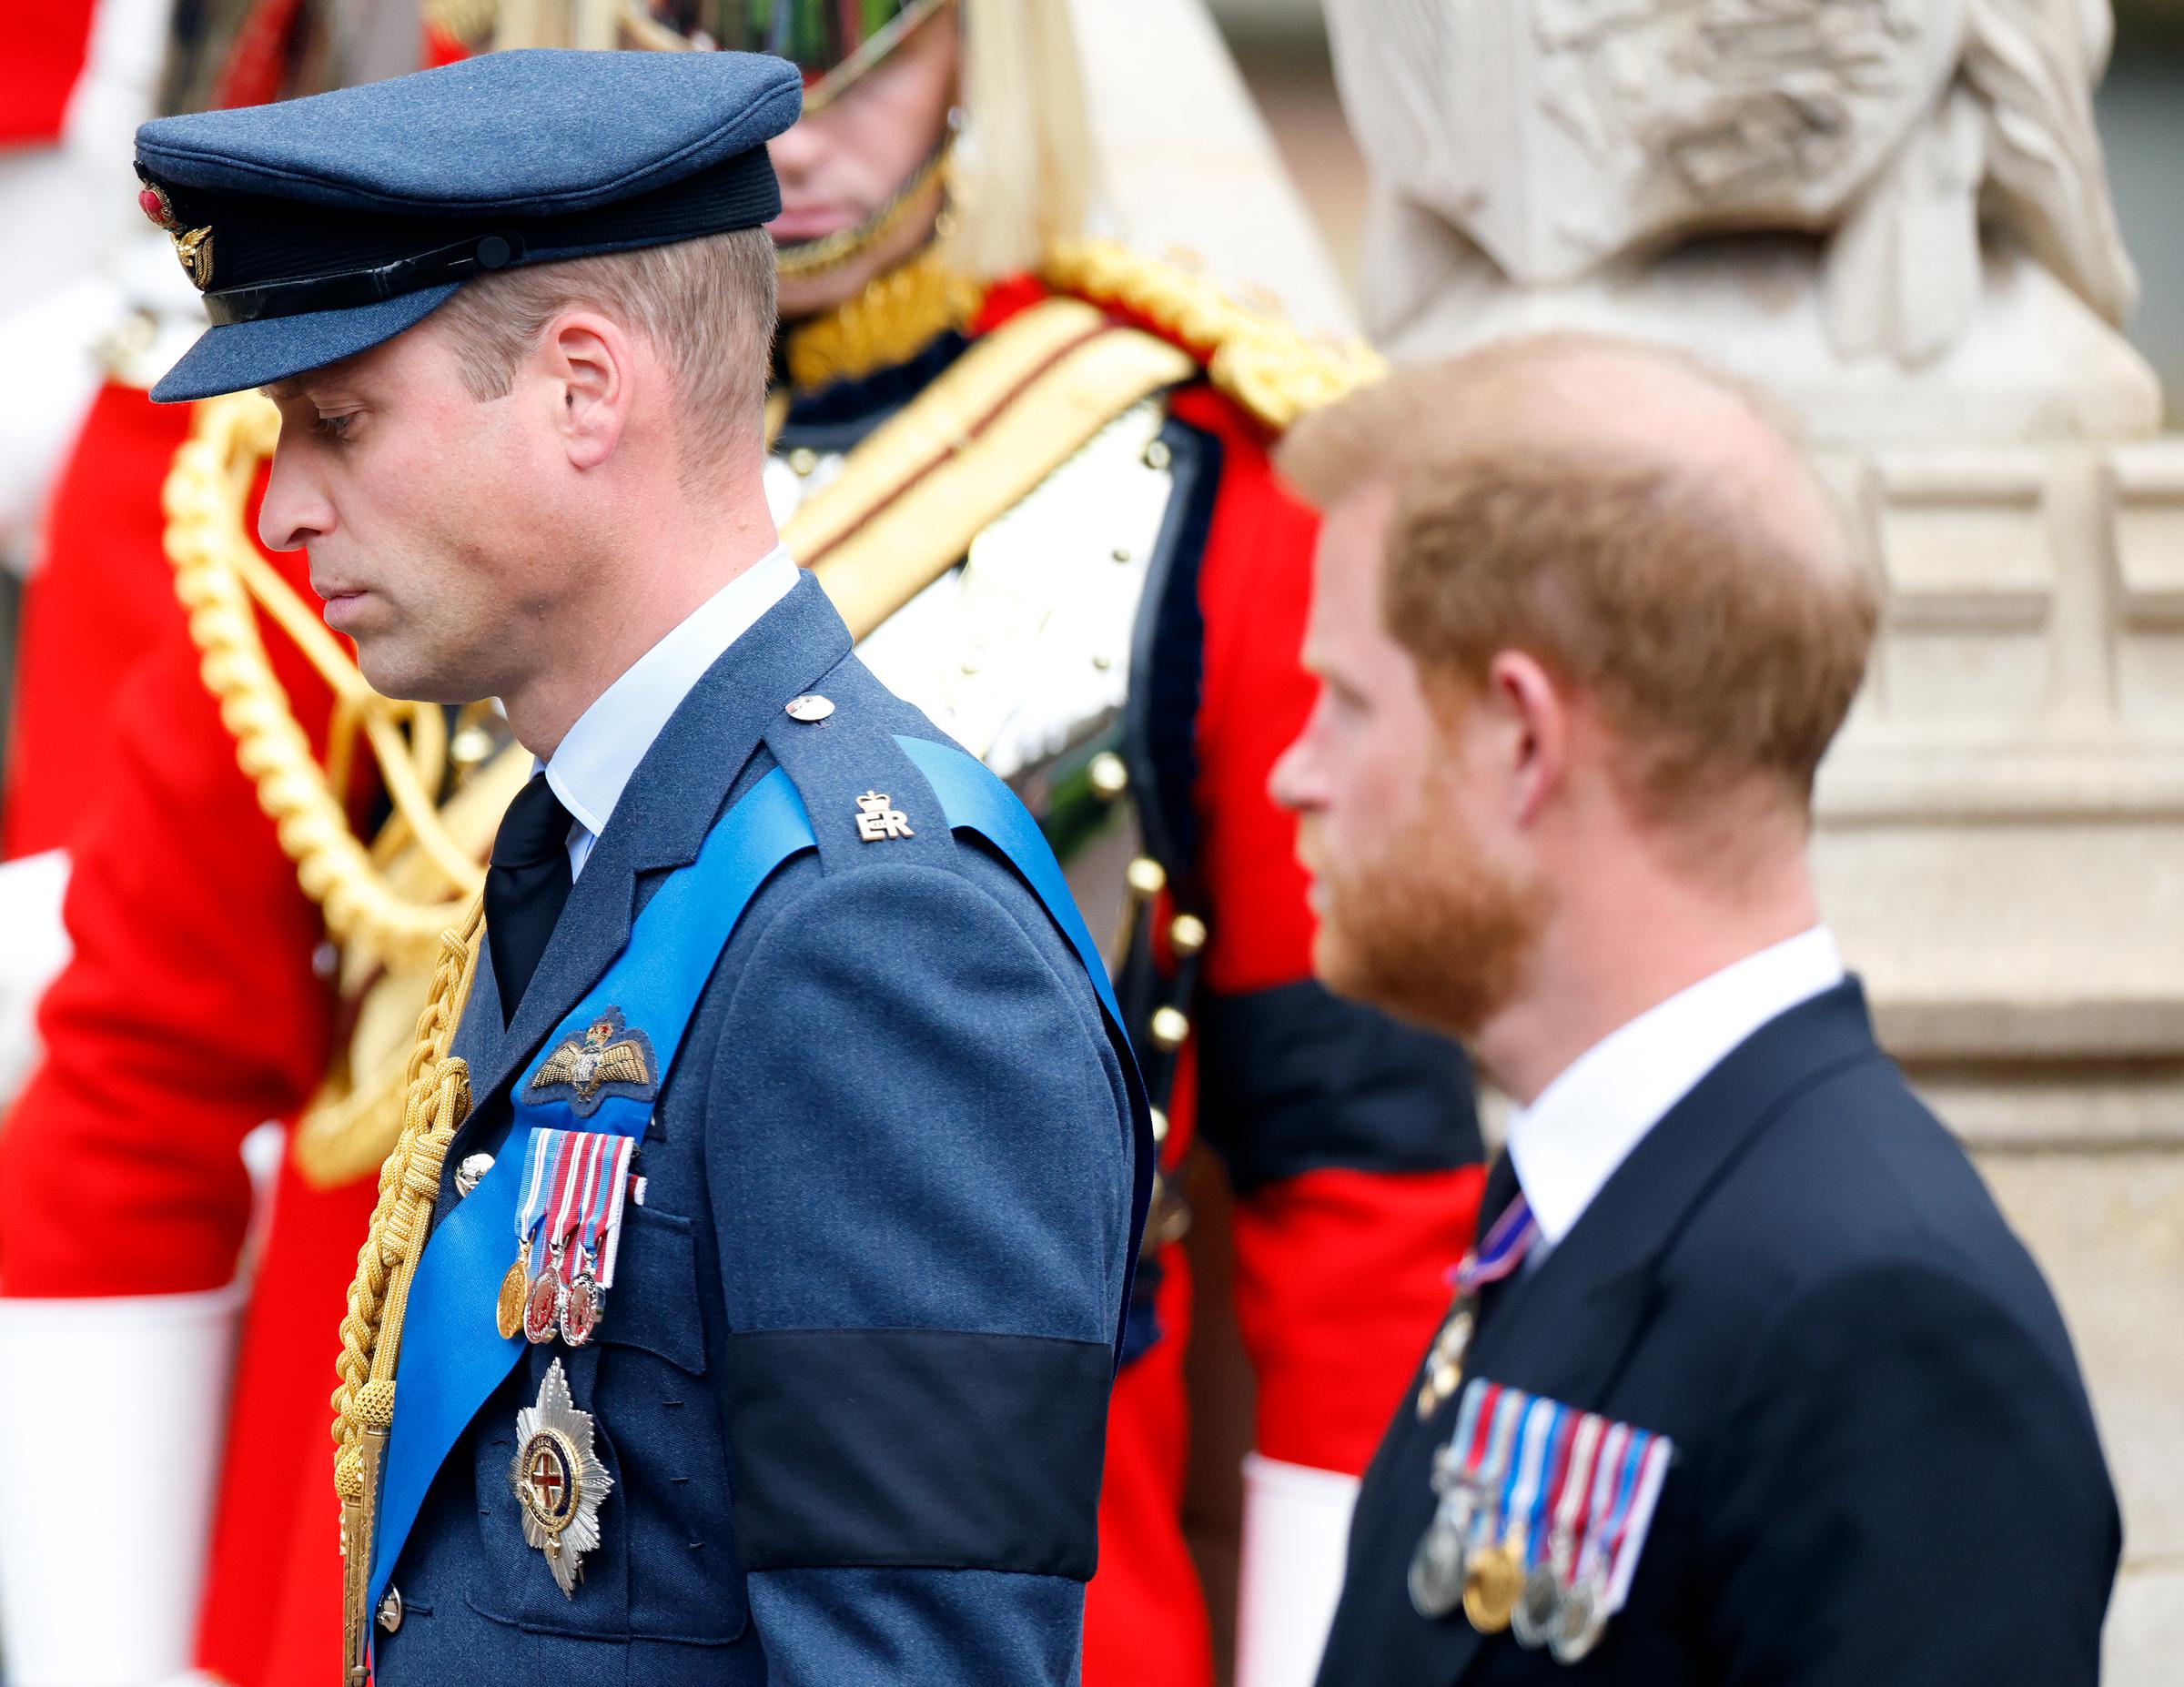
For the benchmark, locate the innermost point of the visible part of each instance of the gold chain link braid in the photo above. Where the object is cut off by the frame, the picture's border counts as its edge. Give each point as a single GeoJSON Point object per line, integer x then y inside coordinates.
{"type": "Point", "coordinates": [1253, 354]}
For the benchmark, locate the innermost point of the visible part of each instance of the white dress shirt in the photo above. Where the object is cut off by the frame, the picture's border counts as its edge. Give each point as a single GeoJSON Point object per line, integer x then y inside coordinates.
{"type": "Point", "coordinates": [1568, 1141]}
{"type": "Point", "coordinates": [594, 761]}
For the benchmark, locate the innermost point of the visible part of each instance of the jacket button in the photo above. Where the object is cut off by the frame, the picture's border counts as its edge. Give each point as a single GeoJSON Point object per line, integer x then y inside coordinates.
{"type": "Point", "coordinates": [390, 1610]}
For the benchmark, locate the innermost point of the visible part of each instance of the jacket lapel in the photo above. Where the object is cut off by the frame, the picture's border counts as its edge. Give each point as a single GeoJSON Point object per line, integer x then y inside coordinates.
{"type": "Point", "coordinates": [1567, 1329]}
{"type": "Point", "coordinates": [662, 819]}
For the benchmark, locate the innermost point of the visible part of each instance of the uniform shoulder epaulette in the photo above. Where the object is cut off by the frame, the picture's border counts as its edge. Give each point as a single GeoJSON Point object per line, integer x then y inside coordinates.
{"type": "Point", "coordinates": [1252, 353]}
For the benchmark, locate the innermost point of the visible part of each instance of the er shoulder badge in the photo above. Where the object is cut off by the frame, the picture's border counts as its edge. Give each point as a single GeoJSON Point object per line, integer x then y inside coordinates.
{"type": "Point", "coordinates": [609, 1059]}
{"type": "Point", "coordinates": [878, 819]}
{"type": "Point", "coordinates": [559, 1480]}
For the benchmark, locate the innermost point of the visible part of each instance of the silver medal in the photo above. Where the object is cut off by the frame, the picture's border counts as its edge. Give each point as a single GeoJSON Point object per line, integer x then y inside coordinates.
{"type": "Point", "coordinates": [1537, 1605]}
{"type": "Point", "coordinates": [1581, 1621]}
{"type": "Point", "coordinates": [1436, 1567]}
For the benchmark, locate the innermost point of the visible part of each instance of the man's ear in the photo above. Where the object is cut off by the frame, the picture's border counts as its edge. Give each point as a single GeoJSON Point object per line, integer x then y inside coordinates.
{"type": "Point", "coordinates": [1531, 743]}
{"type": "Point", "coordinates": [590, 370]}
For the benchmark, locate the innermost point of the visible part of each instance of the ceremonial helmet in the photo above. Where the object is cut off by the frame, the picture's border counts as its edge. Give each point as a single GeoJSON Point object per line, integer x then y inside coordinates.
{"type": "Point", "coordinates": [1017, 163]}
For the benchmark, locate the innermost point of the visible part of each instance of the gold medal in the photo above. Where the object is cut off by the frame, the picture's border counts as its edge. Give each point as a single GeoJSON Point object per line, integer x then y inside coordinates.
{"type": "Point", "coordinates": [1493, 1579]}
{"type": "Point", "coordinates": [509, 1312]}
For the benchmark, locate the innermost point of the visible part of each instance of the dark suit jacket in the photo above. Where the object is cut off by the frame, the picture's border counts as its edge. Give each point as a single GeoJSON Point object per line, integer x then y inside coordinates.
{"type": "Point", "coordinates": [851, 1383]}
{"type": "Point", "coordinates": [1886, 1472]}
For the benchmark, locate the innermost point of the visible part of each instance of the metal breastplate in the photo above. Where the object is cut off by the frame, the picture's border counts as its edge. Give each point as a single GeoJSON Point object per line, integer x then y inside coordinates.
{"type": "Point", "coordinates": [1022, 652]}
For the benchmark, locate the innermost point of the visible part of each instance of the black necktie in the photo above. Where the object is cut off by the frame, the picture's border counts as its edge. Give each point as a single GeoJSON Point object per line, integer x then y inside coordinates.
{"type": "Point", "coordinates": [525, 887]}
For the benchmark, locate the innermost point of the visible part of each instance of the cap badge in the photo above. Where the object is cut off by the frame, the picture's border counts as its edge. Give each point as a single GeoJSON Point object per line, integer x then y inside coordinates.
{"type": "Point", "coordinates": [193, 246]}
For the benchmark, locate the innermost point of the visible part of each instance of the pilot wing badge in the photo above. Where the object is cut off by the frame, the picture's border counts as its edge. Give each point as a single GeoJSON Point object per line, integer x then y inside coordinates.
{"type": "Point", "coordinates": [609, 1059]}
{"type": "Point", "coordinates": [559, 1479]}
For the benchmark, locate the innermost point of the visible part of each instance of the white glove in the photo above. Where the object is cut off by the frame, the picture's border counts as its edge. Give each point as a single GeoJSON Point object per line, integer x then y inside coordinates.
{"type": "Point", "coordinates": [35, 950]}
{"type": "Point", "coordinates": [112, 1413]}
{"type": "Point", "coordinates": [1296, 1538]}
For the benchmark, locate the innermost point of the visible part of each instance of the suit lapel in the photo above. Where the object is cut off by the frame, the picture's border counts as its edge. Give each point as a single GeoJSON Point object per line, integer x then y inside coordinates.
{"type": "Point", "coordinates": [1567, 1329]}
{"type": "Point", "coordinates": [664, 817]}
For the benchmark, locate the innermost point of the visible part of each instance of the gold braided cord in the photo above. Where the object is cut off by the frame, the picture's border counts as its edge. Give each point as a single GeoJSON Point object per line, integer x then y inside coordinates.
{"type": "Point", "coordinates": [1253, 353]}
{"type": "Point", "coordinates": [437, 1098]}
{"type": "Point", "coordinates": [219, 575]}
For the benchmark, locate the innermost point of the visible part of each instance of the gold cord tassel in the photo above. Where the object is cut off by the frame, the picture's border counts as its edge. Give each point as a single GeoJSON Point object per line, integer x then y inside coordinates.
{"type": "Point", "coordinates": [437, 1100]}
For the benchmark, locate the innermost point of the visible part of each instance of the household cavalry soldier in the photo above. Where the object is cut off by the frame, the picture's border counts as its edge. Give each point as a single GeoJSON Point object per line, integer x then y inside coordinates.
{"type": "Point", "coordinates": [973, 409]}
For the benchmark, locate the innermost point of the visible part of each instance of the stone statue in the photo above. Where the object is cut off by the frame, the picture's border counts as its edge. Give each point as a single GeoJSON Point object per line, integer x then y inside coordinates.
{"type": "Point", "coordinates": [1906, 157]}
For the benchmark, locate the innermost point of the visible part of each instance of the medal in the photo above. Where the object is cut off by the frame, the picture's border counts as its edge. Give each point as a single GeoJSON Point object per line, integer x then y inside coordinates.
{"type": "Point", "coordinates": [508, 1311]}
{"type": "Point", "coordinates": [542, 1306]}
{"type": "Point", "coordinates": [1484, 1572]}
{"type": "Point", "coordinates": [1585, 1608]}
{"type": "Point", "coordinates": [559, 1480]}
{"type": "Point", "coordinates": [1444, 1364]}
{"type": "Point", "coordinates": [1541, 1603]}
{"type": "Point", "coordinates": [1535, 1604]}
{"type": "Point", "coordinates": [579, 1309]}
{"type": "Point", "coordinates": [1436, 1577]}
{"type": "Point", "coordinates": [1495, 1578]}
{"type": "Point", "coordinates": [510, 1308]}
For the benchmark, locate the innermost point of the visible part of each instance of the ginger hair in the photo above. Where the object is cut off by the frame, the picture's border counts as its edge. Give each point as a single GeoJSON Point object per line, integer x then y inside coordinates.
{"type": "Point", "coordinates": [1642, 527]}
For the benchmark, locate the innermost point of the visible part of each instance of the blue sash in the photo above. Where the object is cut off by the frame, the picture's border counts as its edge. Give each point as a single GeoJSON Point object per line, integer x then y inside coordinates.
{"type": "Point", "coordinates": [656, 984]}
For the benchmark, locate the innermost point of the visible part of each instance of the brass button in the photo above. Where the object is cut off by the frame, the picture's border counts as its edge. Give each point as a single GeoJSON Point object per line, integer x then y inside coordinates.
{"type": "Point", "coordinates": [811, 708]}
{"type": "Point", "coordinates": [1170, 1028]}
{"type": "Point", "coordinates": [1110, 777]}
{"type": "Point", "coordinates": [1186, 936]}
{"type": "Point", "coordinates": [1160, 1125]}
{"type": "Point", "coordinates": [472, 1173]}
{"type": "Point", "coordinates": [1147, 877]}
{"type": "Point", "coordinates": [802, 460]}
{"type": "Point", "coordinates": [390, 1610]}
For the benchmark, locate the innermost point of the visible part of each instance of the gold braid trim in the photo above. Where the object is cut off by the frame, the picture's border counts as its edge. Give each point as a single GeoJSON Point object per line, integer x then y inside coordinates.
{"type": "Point", "coordinates": [218, 575]}
{"type": "Point", "coordinates": [1253, 354]}
{"type": "Point", "coordinates": [437, 1100]}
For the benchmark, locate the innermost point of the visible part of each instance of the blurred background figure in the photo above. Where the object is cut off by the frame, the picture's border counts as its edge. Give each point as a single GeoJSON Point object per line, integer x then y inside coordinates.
{"type": "Point", "coordinates": [1033, 472]}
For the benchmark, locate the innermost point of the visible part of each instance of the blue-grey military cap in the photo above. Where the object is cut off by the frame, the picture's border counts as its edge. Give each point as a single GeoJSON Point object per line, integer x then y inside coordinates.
{"type": "Point", "coordinates": [318, 228]}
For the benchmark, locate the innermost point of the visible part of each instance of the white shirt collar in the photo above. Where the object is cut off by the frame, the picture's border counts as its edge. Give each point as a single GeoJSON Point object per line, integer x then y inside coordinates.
{"type": "Point", "coordinates": [594, 761]}
{"type": "Point", "coordinates": [1584, 1125]}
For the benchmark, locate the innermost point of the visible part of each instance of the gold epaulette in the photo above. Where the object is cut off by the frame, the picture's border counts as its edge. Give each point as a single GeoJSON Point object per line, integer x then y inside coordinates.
{"type": "Point", "coordinates": [1252, 353]}
{"type": "Point", "coordinates": [969, 448]}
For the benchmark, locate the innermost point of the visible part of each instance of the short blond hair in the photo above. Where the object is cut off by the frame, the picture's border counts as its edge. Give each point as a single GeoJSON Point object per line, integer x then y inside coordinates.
{"type": "Point", "coordinates": [1722, 634]}
{"type": "Point", "coordinates": [705, 305]}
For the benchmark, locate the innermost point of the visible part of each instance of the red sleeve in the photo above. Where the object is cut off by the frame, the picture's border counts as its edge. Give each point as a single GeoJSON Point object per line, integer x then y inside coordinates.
{"type": "Point", "coordinates": [190, 1013]}
{"type": "Point", "coordinates": [47, 47]}
{"type": "Point", "coordinates": [1358, 1183]}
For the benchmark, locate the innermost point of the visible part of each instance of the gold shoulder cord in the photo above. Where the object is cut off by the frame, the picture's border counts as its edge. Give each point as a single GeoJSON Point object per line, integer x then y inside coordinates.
{"type": "Point", "coordinates": [1253, 353]}
{"type": "Point", "coordinates": [437, 1099]}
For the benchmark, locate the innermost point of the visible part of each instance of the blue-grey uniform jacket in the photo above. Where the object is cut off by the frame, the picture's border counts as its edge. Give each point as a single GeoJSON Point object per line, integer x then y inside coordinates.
{"type": "Point", "coordinates": [852, 1378]}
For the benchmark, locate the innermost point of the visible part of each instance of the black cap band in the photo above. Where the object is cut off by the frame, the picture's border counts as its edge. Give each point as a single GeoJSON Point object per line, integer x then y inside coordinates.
{"type": "Point", "coordinates": [259, 235]}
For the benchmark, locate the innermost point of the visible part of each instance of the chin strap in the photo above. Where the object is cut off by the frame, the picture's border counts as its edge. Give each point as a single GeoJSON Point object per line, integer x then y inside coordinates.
{"type": "Point", "coordinates": [1296, 1537]}
{"type": "Point", "coordinates": [112, 1417]}
{"type": "Point", "coordinates": [36, 949]}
